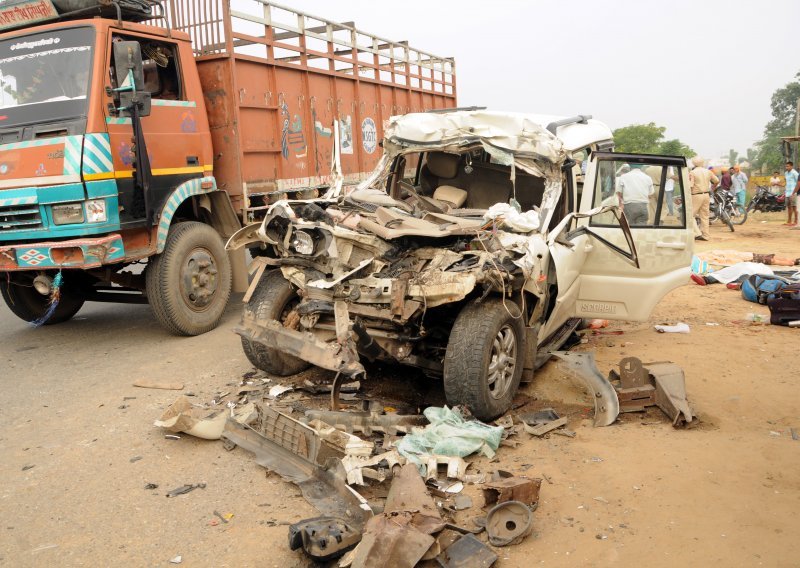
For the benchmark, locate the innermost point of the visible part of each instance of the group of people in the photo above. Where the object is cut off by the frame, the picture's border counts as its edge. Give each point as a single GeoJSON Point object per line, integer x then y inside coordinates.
{"type": "Point", "coordinates": [734, 181]}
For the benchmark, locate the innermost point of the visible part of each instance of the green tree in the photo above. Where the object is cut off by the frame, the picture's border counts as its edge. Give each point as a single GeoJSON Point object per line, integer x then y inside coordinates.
{"type": "Point", "coordinates": [675, 147]}
{"type": "Point", "coordinates": [784, 108]}
{"type": "Point", "coordinates": [639, 138]}
{"type": "Point", "coordinates": [732, 156]}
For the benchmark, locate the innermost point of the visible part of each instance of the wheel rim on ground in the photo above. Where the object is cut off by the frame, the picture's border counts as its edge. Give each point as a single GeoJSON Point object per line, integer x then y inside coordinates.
{"type": "Point", "coordinates": [199, 279]}
{"type": "Point", "coordinates": [503, 362]}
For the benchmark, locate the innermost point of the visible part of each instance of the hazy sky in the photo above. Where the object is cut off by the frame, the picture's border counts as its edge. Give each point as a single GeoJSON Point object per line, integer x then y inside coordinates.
{"type": "Point", "coordinates": [705, 69]}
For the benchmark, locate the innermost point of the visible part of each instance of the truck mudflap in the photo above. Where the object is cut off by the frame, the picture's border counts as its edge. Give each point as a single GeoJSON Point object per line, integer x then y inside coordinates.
{"type": "Point", "coordinates": [341, 357]}
{"type": "Point", "coordinates": [77, 253]}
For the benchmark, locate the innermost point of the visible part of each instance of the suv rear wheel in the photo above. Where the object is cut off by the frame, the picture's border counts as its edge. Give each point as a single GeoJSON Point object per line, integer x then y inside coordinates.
{"type": "Point", "coordinates": [484, 359]}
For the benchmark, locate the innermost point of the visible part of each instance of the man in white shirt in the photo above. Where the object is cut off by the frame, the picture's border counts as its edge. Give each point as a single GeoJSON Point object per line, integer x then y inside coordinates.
{"type": "Point", "coordinates": [634, 190]}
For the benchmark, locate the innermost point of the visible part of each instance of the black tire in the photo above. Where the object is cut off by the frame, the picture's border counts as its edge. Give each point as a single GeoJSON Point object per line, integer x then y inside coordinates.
{"type": "Point", "coordinates": [473, 345]}
{"type": "Point", "coordinates": [189, 284]}
{"type": "Point", "coordinates": [742, 215]}
{"type": "Point", "coordinates": [29, 305]}
{"type": "Point", "coordinates": [726, 219]}
{"type": "Point", "coordinates": [272, 299]}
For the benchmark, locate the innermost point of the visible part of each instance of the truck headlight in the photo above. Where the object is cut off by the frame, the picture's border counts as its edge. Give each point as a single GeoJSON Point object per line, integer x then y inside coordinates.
{"type": "Point", "coordinates": [96, 211]}
{"type": "Point", "coordinates": [68, 214]}
{"type": "Point", "coordinates": [302, 242]}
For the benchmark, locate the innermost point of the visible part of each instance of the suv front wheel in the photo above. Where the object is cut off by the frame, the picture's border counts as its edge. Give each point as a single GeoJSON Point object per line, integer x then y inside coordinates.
{"type": "Point", "coordinates": [484, 359]}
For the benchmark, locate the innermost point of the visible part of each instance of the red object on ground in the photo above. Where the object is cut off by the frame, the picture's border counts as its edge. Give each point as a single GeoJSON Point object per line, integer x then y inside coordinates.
{"type": "Point", "coordinates": [598, 324]}
{"type": "Point", "coordinates": [699, 280]}
{"type": "Point", "coordinates": [733, 285]}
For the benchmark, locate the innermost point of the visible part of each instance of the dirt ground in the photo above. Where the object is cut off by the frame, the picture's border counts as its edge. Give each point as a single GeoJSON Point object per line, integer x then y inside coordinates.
{"type": "Point", "coordinates": [639, 492]}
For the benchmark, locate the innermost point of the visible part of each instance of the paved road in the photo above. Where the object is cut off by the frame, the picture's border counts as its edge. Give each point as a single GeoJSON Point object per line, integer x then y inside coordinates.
{"type": "Point", "coordinates": [63, 410]}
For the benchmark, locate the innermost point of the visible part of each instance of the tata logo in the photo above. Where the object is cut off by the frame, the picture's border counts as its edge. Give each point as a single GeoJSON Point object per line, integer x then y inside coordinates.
{"type": "Point", "coordinates": [58, 154]}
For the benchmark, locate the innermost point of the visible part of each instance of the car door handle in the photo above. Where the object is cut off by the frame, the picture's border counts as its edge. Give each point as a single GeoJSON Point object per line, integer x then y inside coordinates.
{"type": "Point", "coordinates": [665, 245]}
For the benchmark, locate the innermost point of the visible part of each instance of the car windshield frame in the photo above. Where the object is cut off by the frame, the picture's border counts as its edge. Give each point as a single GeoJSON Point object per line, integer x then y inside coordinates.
{"type": "Point", "coordinates": [59, 76]}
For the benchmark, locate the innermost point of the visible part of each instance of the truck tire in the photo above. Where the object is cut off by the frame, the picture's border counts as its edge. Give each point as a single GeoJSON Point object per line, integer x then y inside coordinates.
{"type": "Point", "coordinates": [189, 284]}
{"type": "Point", "coordinates": [273, 299]}
{"type": "Point", "coordinates": [29, 305]}
{"type": "Point", "coordinates": [484, 358]}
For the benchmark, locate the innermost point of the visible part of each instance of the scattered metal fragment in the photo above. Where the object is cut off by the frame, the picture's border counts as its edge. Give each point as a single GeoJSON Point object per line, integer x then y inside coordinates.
{"type": "Point", "coordinates": [323, 538]}
{"type": "Point", "coordinates": [325, 388]}
{"type": "Point", "coordinates": [462, 502]}
{"type": "Point", "coordinates": [297, 453]}
{"type": "Point", "coordinates": [135, 459]}
{"type": "Point", "coordinates": [151, 486]}
{"type": "Point", "coordinates": [221, 517]}
{"type": "Point", "coordinates": [537, 417]}
{"type": "Point", "coordinates": [176, 559]}
{"type": "Point", "coordinates": [27, 467]}
{"type": "Point", "coordinates": [146, 384]}
{"type": "Point", "coordinates": [368, 421]}
{"type": "Point", "coordinates": [508, 523]}
{"type": "Point", "coordinates": [513, 489]}
{"type": "Point", "coordinates": [454, 467]}
{"type": "Point", "coordinates": [543, 429]}
{"type": "Point", "coordinates": [794, 434]}
{"type": "Point", "coordinates": [185, 489]}
{"type": "Point", "coordinates": [661, 384]}
{"type": "Point", "coordinates": [400, 536]}
{"type": "Point", "coordinates": [467, 552]}
{"type": "Point", "coordinates": [171, 437]}
{"type": "Point", "coordinates": [606, 403]}
{"type": "Point", "coordinates": [444, 487]}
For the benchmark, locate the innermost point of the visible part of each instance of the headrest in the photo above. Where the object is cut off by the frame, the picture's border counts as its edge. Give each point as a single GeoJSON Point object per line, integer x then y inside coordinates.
{"type": "Point", "coordinates": [442, 164]}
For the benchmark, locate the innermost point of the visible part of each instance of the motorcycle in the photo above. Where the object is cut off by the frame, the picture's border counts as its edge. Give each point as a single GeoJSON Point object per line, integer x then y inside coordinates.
{"type": "Point", "coordinates": [722, 207]}
{"type": "Point", "coordinates": [765, 201]}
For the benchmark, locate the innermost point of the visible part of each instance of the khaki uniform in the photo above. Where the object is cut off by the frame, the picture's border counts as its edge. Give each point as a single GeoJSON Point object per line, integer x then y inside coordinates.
{"type": "Point", "coordinates": [701, 180]}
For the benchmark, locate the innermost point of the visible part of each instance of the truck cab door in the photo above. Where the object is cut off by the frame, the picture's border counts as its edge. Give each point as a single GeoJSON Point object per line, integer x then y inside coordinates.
{"type": "Point", "coordinates": [626, 271]}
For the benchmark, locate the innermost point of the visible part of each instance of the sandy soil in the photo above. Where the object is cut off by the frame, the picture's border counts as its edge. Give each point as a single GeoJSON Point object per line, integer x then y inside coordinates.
{"type": "Point", "coordinates": [638, 492]}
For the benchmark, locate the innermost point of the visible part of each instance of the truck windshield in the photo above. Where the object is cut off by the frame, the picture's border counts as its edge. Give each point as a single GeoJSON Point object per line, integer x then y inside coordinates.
{"type": "Point", "coordinates": [45, 76]}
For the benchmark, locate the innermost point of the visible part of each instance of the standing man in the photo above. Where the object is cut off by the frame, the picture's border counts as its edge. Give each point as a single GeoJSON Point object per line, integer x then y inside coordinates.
{"type": "Point", "coordinates": [726, 183]}
{"type": "Point", "coordinates": [701, 182]}
{"type": "Point", "coordinates": [634, 190]}
{"type": "Point", "coordinates": [791, 193]}
{"type": "Point", "coordinates": [739, 186]}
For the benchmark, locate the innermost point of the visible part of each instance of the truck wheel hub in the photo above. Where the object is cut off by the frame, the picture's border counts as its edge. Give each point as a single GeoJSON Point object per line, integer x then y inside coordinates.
{"type": "Point", "coordinates": [199, 279]}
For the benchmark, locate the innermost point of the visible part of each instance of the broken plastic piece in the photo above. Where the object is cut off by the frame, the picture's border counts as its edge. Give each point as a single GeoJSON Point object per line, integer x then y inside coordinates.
{"type": "Point", "coordinates": [183, 416]}
{"type": "Point", "coordinates": [323, 538]}
{"type": "Point", "coordinates": [278, 390]}
{"type": "Point", "coordinates": [542, 429]}
{"type": "Point", "coordinates": [538, 416]}
{"type": "Point", "coordinates": [367, 422]}
{"type": "Point", "coordinates": [147, 384]}
{"type": "Point", "coordinates": [606, 404]}
{"type": "Point", "coordinates": [508, 523]}
{"type": "Point", "coordinates": [185, 489]}
{"type": "Point", "coordinates": [679, 327]}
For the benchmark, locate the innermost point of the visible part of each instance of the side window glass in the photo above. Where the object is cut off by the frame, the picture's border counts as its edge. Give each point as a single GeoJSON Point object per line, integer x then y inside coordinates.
{"type": "Point", "coordinates": [651, 195]}
{"type": "Point", "coordinates": [160, 66]}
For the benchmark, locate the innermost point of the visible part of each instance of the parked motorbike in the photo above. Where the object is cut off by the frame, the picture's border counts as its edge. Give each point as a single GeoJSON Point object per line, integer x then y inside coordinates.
{"type": "Point", "coordinates": [722, 207]}
{"type": "Point", "coordinates": [765, 201]}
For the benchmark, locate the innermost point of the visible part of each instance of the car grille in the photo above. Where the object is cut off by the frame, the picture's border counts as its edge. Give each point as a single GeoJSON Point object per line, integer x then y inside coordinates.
{"type": "Point", "coordinates": [20, 218]}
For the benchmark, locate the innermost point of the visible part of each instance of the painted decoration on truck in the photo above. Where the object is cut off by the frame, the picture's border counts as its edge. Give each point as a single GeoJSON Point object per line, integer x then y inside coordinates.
{"type": "Point", "coordinates": [25, 12]}
{"type": "Point", "coordinates": [97, 154]}
{"type": "Point", "coordinates": [369, 135]}
{"type": "Point", "coordinates": [346, 134]}
{"type": "Point", "coordinates": [292, 136]}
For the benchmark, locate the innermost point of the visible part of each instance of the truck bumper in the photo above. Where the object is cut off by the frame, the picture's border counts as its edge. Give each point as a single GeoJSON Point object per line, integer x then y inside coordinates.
{"type": "Point", "coordinates": [332, 356]}
{"type": "Point", "coordinates": [77, 253]}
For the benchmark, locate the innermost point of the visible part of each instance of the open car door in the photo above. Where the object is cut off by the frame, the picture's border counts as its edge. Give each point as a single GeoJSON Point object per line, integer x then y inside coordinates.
{"type": "Point", "coordinates": [617, 280]}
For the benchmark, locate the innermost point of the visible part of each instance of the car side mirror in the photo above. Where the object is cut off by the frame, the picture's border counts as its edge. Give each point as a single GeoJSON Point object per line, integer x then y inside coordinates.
{"type": "Point", "coordinates": [130, 78]}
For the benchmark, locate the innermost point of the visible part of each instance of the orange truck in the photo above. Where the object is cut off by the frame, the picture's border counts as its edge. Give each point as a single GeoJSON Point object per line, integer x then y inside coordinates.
{"type": "Point", "coordinates": [139, 132]}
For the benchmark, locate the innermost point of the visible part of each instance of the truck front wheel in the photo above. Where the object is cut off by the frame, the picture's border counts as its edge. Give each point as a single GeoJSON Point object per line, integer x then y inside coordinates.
{"type": "Point", "coordinates": [484, 358]}
{"type": "Point", "coordinates": [27, 304]}
{"type": "Point", "coordinates": [189, 284]}
{"type": "Point", "coordinates": [273, 299]}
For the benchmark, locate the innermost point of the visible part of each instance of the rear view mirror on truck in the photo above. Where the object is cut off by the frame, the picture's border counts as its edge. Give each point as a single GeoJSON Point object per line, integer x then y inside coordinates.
{"type": "Point", "coordinates": [130, 78]}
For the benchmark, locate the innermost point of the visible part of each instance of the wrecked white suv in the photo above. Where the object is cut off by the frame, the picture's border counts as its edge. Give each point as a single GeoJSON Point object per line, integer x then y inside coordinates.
{"type": "Point", "coordinates": [472, 252]}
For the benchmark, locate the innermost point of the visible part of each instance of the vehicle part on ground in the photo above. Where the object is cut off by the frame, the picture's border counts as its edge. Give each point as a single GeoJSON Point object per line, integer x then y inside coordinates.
{"type": "Point", "coordinates": [368, 422]}
{"type": "Point", "coordinates": [467, 552]}
{"type": "Point", "coordinates": [323, 538]}
{"type": "Point", "coordinates": [401, 535]}
{"type": "Point", "coordinates": [207, 423]}
{"type": "Point", "coordinates": [378, 468]}
{"type": "Point", "coordinates": [508, 523]}
{"type": "Point", "coordinates": [537, 417]}
{"type": "Point", "coordinates": [27, 303]}
{"type": "Point", "coordinates": [512, 489]}
{"type": "Point", "coordinates": [295, 452]}
{"type": "Point", "coordinates": [485, 356]}
{"type": "Point", "coordinates": [274, 299]}
{"type": "Point", "coordinates": [188, 285]}
{"type": "Point", "coordinates": [454, 467]}
{"type": "Point", "coordinates": [661, 384]}
{"type": "Point", "coordinates": [606, 403]}
{"type": "Point", "coordinates": [183, 489]}
{"type": "Point", "coordinates": [542, 429]}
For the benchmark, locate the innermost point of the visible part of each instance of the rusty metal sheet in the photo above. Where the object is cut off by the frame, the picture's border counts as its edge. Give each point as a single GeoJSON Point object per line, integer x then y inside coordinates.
{"type": "Point", "coordinates": [467, 552]}
{"type": "Point", "coordinates": [512, 489]}
{"type": "Point", "coordinates": [390, 541]}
